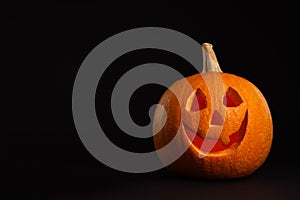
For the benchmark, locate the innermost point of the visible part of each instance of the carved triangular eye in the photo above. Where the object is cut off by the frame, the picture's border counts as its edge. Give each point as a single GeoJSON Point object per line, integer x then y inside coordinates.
{"type": "Point", "coordinates": [199, 101]}
{"type": "Point", "coordinates": [232, 98]}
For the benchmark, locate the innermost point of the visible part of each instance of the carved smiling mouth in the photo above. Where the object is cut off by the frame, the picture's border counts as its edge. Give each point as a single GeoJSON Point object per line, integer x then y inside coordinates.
{"type": "Point", "coordinates": [217, 144]}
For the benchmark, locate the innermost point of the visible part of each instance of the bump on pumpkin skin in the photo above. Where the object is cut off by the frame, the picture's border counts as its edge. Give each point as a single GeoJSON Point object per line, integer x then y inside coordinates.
{"type": "Point", "coordinates": [239, 160]}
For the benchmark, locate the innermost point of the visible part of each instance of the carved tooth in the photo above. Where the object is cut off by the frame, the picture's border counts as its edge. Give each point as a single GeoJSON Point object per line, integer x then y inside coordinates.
{"type": "Point", "coordinates": [225, 139]}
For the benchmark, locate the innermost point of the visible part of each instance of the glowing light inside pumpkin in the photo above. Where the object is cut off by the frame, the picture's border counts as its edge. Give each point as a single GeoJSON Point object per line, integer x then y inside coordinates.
{"type": "Point", "coordinates": [232, 98]}
{"type": "Point", "coordinates": [199, 101]}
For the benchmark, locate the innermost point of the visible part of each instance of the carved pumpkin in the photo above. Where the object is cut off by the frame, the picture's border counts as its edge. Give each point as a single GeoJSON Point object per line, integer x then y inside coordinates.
{"type": "Point", "coordinates": [223, 118]}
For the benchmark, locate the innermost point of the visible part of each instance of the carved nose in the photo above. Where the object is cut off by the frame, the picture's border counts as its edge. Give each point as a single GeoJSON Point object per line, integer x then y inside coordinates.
{"type": "Point", "coordinates": [216, 119]}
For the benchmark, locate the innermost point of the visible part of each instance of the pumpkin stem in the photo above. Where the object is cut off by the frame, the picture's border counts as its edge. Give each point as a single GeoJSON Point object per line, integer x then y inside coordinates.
{"type": "Point", "coordinates": [210, 62]}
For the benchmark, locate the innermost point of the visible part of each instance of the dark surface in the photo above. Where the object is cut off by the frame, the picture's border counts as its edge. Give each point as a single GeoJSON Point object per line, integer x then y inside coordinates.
{"type": "Point", "coordinates": [43, 49]}
{"type": "Point", "coordinates": [78, 182]}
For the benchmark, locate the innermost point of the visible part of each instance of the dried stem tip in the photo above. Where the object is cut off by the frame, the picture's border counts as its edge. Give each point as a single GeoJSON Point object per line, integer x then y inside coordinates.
{"type": "Point", "coordinates": [210, 62]}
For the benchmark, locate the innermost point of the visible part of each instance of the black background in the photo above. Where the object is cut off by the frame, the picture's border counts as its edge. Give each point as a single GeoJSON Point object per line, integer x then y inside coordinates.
{"type": "Point", "coordinates": [44, 46]}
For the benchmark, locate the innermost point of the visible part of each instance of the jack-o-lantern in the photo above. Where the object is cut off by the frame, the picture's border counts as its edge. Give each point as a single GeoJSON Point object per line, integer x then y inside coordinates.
{"type": "Point", "coordinates": [223, 118]}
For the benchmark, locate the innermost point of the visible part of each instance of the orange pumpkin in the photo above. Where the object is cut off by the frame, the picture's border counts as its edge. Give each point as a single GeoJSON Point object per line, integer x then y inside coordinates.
{"type": "Point", "coordinates": [223, 118]}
